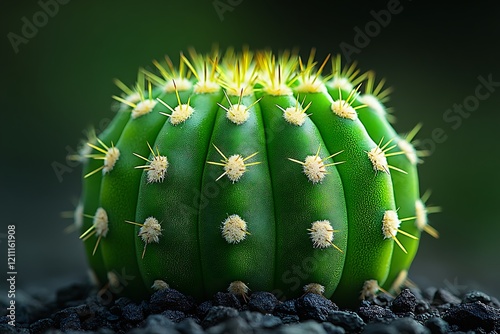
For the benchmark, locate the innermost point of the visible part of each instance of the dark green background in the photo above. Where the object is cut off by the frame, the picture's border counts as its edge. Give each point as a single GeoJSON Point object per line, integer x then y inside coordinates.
{"type": "Point", "coordinates": [61, 81]}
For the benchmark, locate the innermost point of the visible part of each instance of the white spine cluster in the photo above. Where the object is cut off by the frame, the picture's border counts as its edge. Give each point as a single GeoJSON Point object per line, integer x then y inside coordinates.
{"type": "Point", "coordinates": [157, 169]}
{"type": "Point", "coordinates": [160, 285]}
{"type": "Point", "coordinates": [370, 289]}
{"type": "Point", "coordinates": [295, 115]}
{"type": "Point", "coordinates": [234, 229]}
{"type": "Point", "coordinates": [238, 113]}
{"type": "Point", "coordinates": [143, 108]}
{"type": "Point", "coordinates": [314, 168]}
{"type": "Point", "coordinates": [110, 159]}
{"type": "Point", "coordinates": [150, 231]}
{"type": "Point", "coordinates": [321, 233]}
{"type": "Point", "coordinates": [235, 167]}
{"type": "Point", "coordinates": [373, 103]}
{"type": "Point", "coordinates": [181, 113]}
{"type": "Point", "coordinates": [342, 82]}
{"type": "Point", "coordinates": [378, 160]}
{"type": "Point", "coordinates": [314, 288]}
{"type": "Point", "coordinates": [101, 222]}
{"type": "Point", "coordinates": [206, 87]}
{"type": "Point", "coordinates": [408, 150]}
{"type": "Point", "coordinates": [179, 84]}
{"type": "Point", "coordinates": [343, 109]}
{"type": "Point", "coordinates": [238, 288]}
{"type": "Point", "coordinates": [390, 224]}
{"type": "Point", "coordinates": [421, 213]}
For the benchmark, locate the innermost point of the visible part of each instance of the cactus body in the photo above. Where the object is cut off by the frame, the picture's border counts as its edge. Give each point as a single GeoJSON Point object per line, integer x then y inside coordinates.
{"type": "Point", "coordinates": [251, 171]}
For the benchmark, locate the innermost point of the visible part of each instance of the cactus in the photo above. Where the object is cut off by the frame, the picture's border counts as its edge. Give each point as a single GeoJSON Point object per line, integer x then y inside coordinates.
{"type": "Point", "coordinates": [246, 171]}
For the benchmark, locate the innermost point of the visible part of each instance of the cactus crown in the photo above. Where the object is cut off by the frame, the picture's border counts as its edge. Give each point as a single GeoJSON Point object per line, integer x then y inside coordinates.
{"type": "Point", "coordinates": [243, 170]}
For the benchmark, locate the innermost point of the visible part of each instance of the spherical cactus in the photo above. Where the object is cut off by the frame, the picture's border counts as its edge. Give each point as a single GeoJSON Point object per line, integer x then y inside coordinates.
{"type": "Point", "coordinates": [248, 171]}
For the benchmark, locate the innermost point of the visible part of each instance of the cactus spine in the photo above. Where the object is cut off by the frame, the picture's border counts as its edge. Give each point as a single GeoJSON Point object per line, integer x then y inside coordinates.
{"type": "Point", "coordinates": [252, 171]}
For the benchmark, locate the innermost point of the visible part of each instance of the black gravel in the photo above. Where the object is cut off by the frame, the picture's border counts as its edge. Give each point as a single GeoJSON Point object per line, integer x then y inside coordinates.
{"type": "Point", "coordinates": [78, 309]}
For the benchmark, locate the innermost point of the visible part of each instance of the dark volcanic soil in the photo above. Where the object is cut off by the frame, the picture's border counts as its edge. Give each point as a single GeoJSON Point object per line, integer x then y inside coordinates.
{"type": "Point", "coordinates": [77, 308]}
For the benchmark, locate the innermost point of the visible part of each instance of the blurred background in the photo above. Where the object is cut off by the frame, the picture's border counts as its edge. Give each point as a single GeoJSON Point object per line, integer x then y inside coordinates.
{"type": "Point", "coordinates": [59, 59]}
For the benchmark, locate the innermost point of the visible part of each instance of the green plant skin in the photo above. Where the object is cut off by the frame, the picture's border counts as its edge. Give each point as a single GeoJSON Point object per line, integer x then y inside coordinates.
{"type": "Point", "coordinates": [301, 202]}
{"type": "Point", "coordinates": [180, 260]}
{"type": "Point", "coordinates": [406, 188]}
{"type": "Point", "coordinates": [406, 193]}
{"type": "Point", "coordinates": [274, 196]}
{"type": "Point", "coordinates": [368, 196]}
{"type": "Point", "coordinates": [251, 198]}
{"type": "Point", "coordinates": [91, 190]}
{"type": "Point", "coordinates": [119, 193]}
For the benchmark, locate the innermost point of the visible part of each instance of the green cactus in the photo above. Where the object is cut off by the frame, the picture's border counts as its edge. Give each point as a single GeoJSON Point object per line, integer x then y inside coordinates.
{"type": "Point", "coordinates": [252, 171]}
